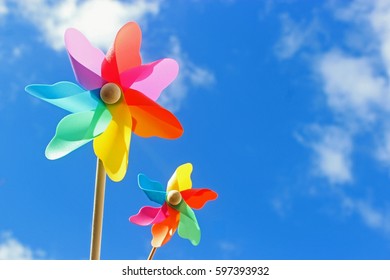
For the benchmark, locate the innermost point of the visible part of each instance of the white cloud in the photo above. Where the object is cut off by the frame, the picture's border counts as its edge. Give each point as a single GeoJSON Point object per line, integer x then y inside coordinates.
{"type": "Point", "coordinates": [351, 85]}
{"type": "Point", "coordinates": [371, 216]}
{"type": "Point", "coordinates": [380, 22]}
{"type": "Point", "coordinates": [3, 8]}
{"type": "Point", "coordinates": [354, 75]}
{"type": "Point", "coordinates": [189, 75]}
{"type": "Point", "coordinates": [227, 246]}
{"type": "Point", "coordinates": [382, 152]}
{"type": "Point", "coordinates": [373, 23]}
{"type": "Point", "coordinates": [200, 76]}
{"type": "Point", "coordinates": [332, 151]}
{"type": "Point", "coordinates": [357, 84]}
{"type": "Point", "coordinates": [17, 52]}
{"type": "Point", "coordinates": [294, 36]}
{"type": "Point", "coordinates": [13, 249]}
{"type": "Point", "coordinates": [99, 20]}
{"type": "Point", "coordinates": [229, 249]}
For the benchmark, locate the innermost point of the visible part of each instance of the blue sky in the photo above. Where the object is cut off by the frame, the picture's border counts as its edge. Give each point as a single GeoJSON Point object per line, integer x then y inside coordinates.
{"type": "Point", "coordinates": [285, 107]}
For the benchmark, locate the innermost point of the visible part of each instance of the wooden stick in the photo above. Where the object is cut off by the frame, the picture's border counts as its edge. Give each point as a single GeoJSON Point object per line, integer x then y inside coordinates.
{"type": "Point", "coordinates": [98, 209]}
{"type": "Point", "coordinates": [151, 254]}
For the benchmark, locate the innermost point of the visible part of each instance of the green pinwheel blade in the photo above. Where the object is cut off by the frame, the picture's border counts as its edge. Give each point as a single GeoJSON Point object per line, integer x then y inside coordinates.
{"type": "Point", "coordinates": [77, 129]}
{"type": "Point", "coordinates": [188, 225]}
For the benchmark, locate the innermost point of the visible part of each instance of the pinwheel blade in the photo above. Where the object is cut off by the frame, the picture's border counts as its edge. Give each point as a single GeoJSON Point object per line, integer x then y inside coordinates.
{"type": "Point", "coordinates": [112, 146]}
{"type": "Point", "coordinates": [127, 47]}
{"type": "Point", "coordinates": [162, 232]}
{"type": "Point", "coordinates": [188, 225]}
{"type": "Point", "coordinates": [128, 77]}
{"type": "Point", "coordinates": [151, 79]}
{"type": "Point", "coordinates": [153, 189]}
{"type": "Point", "coordinates": [77, 129]}
{"type": "Point", "coordinates": [197, 198]}
{"type": "Point", "coordinates": [148, 215]}
{"type": "Point", "coordinates": [181, 179]}
{"type": "Point", "coordinates": [150, 119]}
{"type": "Point", "coordinates": [66, 95]}
{"type": "Point", "coordinates": [124, 54]}
{"type": "Point", "coordinates": [86, 60]}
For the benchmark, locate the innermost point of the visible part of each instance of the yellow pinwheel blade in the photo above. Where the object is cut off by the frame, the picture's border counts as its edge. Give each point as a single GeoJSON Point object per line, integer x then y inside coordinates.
{"type": "Point", "coordinates": [112, 146]}
{"type": "Point", "coordinates": [181, 179]}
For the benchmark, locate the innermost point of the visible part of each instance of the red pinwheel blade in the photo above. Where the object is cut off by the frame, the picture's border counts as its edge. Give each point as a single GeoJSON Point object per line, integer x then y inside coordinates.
{"type": "Point", "coordinates": [124, 54]}
{"type": "Point", "coordinates": [197, 198]}
{"type": "Point", "coordinates": [150, 119]}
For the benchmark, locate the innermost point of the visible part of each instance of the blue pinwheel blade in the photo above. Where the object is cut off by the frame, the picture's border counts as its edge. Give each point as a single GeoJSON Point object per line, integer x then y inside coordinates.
{"type": "Point", "coordinates": [153, 189]}
{"type": "Point", "coordinates": [66, 95]}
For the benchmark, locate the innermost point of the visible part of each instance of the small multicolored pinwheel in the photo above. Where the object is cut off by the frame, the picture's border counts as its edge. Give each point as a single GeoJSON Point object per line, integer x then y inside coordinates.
{"type": "Point", "coordinates": [117, 96]}
{"type": "Point", "coordinates": [176, 203]}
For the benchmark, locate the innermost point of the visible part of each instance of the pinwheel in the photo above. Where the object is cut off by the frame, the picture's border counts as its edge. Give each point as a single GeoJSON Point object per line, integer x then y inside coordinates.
{"type": "Point", "coordinates": [116, 96]}
{"type": "Point", "coordinates": [175, 211]}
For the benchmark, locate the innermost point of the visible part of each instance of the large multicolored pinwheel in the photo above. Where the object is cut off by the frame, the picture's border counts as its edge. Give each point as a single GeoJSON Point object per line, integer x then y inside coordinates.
{"type": "Point", "coordinates": [176, 203]}
{"type": "Point", "coordinates": [116, 96]}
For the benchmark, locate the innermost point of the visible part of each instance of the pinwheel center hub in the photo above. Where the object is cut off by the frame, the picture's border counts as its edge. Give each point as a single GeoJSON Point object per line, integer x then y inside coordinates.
{"type": "Point", "coordinates": [174, 197]}
{"type": "Point", "coordinates": [110, 93]}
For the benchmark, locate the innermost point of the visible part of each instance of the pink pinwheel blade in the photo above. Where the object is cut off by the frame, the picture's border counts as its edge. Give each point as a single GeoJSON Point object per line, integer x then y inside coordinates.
{"type": "Point", "coordinates": [86, 60]}
{"type": "Point", "coordinates": [151, 79]}
{"type": "Point", "coordinates": [128, 77]}
{"type": "Point", "coordinates": [149, 215]}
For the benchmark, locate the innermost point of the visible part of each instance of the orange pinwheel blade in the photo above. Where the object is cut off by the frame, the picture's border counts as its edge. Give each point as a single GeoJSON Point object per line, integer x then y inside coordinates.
{"type": "Point", "coordinates": [150, 119]}
{"type": "Point", "coordinates": [112, 146]}
{"type": "Point", "coordinates": [162, 232]}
